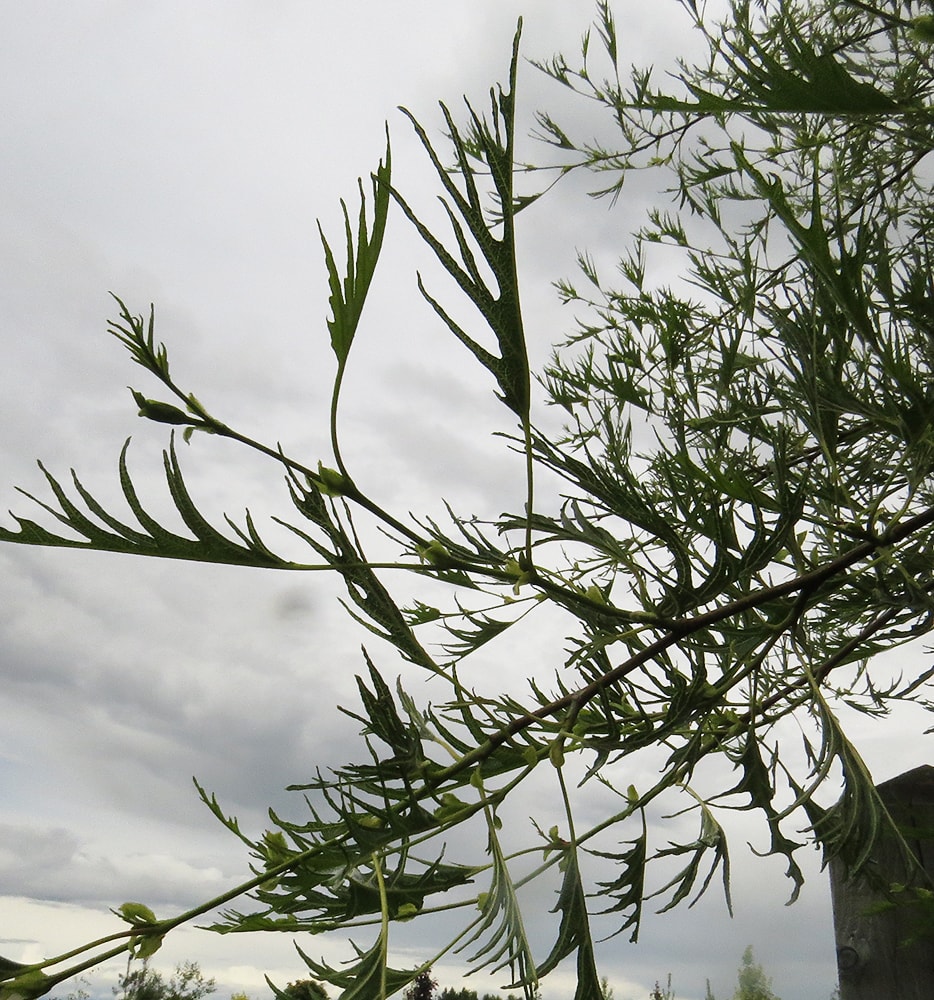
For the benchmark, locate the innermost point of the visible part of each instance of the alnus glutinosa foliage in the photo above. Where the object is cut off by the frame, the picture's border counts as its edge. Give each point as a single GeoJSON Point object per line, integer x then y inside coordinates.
{"type": "Point", "coordinates": [746, 517]}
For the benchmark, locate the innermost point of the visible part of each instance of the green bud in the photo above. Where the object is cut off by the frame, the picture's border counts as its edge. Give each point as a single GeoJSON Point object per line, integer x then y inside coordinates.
{"type": "Point", "coordinates": [555, 842]}
{"type": "Point", "coordinates": [330, 482]}
{"type": "Point", "coordinates": [450, 807]}
{"type": "Point", "coordinates": [595, 594]}
{"type": "Point", "coordinates": [728, 722]}
{"type": "Point", "coordinates": [195, 405]}
{"type": "Point", "coordinates": [580, 728]}
{"type": "Point", "coordinates": [520, 571]}
{"type": "Point", "coordinates": [436, 554]}
{"type": "Point", "coordinates": [136, 914]}
{"type": "Point", "coordinates": [163, 413]}
{"type": "Point", "coordinates": [406, 911]}
{"type": "Point", "coordinates": [275, 848]}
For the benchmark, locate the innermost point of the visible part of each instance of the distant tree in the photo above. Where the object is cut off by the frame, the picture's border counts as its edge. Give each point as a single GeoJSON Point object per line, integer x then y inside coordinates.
{"type": "Point", "coordinates": [465, 994]}
{"type": "Point", "coordinates": [305, 989]}
{"type": "Point", "coordinates": [659, 993]}
{"type": "Point", "coordinates": [141, 982]}
{"type": "Point", "coordinates": [423, 988]}
{"type": "Point", "coordinates": [753, 983]}
{"type": "Point", "coordinates": [81, 991]}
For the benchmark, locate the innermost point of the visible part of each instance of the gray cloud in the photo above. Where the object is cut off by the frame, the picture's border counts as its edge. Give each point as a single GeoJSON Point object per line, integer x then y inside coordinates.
{"type": "Point", "coordinates": [52, 864]}
{"type": "Point", "coordinates": [181, 155]}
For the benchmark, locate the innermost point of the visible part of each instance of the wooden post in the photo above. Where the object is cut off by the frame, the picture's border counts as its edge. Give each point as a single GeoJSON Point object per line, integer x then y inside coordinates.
{"type": "Point", "coordinates": [872, 961]}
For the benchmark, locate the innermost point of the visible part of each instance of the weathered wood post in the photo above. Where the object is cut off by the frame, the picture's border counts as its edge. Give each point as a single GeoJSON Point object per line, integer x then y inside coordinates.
{"type": "Point", "coordinates": [873, 961]}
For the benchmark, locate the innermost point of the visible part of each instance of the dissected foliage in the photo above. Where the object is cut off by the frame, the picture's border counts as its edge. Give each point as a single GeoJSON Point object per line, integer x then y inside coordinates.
{"type": "Point", "coordinates": [747, 517]}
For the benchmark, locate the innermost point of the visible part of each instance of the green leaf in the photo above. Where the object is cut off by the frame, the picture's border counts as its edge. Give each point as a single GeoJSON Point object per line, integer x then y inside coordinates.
{"type": "Point", "coordinates": [574, 931]}
{"type": "Point", "coordinates": [207, 545]}
{"type": "Point", "coordinates": [139, 339]}
{"type": "Point", "coordinates": [758, 783]}
{"type": "Point", "coordinates": [366, 978]}
{"type": "Point", "coordinates": [712, 837]}
{"type": "Point", "coordinates": [144, 946]}
{"type": "Point", "coordinates": [27, 985]}
{"type": "Point", "coordinates": [628, 888]}
{"type": "Point", "coordinates": [383, 720]}
{"type": "Point", "coordinates": [10, 969]}
{"type": "Point", "coordinates": [491, 144]}
{"type": "Point", "coordinates": [378, 611]}
{"type": "Point", "coordinates": [348, 295]}
{"type": "Point", "coordinates": [500, 929]}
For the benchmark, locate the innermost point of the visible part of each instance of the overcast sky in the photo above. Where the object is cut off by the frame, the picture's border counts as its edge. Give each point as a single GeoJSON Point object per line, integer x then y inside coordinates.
{"type": "Point", "coordinates": [179, 153]}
